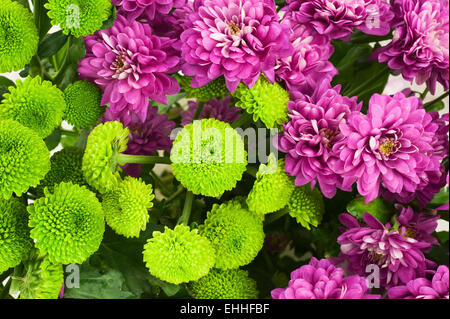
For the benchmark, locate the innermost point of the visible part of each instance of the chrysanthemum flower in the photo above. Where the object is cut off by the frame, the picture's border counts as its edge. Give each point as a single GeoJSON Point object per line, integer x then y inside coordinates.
{"type": "Point", "coordinates": [179, 255]}
{"type": "Point", "coordinates": [15, 241]}
{"type": "Point", "coordinates": [100, 157]}
{"type": "Point", "coordinates": [126, 207]}
{"type": "Point", "coordinates": [37, 277]}
{"type": "Point", "coordinates": [146, 9]}
{"type": "Point", "coordinates": [79, 18]}
{"type": "Point", "coordinates": [309, 63]}
{"type": "Point", "coordinates": [400, 258]}
{"type": "Point", "coordinates": [306, 206]}
{"type": "Point", "coordinates": [235, 38]}
{"type": "Point", "coordinates": [18, 36]}
{"type": "Point", "coordinates": [83, 100]}
{"type": "Point", "coordinates": [387, 148]}
{"type": "Point", "coordinates": [216, 109]}
{"type": "Point", "coordinates": [266, 101]}
{"type": "Point", "coordinates": [422, 288]}
{"type": "Point", "coordinates": [67, 224]}
{"type": "Point", "coordinates": [24, 159]}
{"type": "Point", "coordinates": [208, 157]}
{"type": "Point", "coordinates": [322, 280]}
{"type": "Point", "coordinates": [420, 49]}
{"type": "Point", "coordinates": [236, 234]}
{"type": "Point", "coordinates": [224, 284]}
{"type": "Point", "coordinates": [34, 103]}
{"type": "Point", "coordinates": [337, 19]}
{"type": "Point", "coordinates": [215, 89]}
{"type": "Point", "coordinates": [311, 133]}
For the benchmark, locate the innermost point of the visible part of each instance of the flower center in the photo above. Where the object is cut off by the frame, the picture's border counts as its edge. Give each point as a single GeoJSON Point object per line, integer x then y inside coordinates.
{"type": "Point", "coordinates": [327, 135]}
{"type": "Point", "coordinates": [376, 258]}
{"type": "Point", "coordinates": [234, 27]}
{"type": "Point", "coordinates": [388, 146]}
{"type": "Point", "coordinates": [120, 64]}
{"type": "Point", "coordinates": [410, 233]}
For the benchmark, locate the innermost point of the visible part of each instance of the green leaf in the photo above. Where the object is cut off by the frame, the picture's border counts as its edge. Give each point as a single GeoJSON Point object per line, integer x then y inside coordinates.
{"type": "Point", "coordinates": [440, 198]}
{"type": "Point", "coordinates": [53, 139]}
{"type": "Point", "coordinates": [24, 3]}
{"type": "Point", "coordinates": [171, 100]}
{"type": "Point", "coordinates": [382, 210]}
{"type": "Point", "coordinates": [109, 23]}
{"type": "Point", "coordinates": [52, 44]}
{"type": "Point", "coordinates": [438, 106]}
{"type": "Point", "coordinates": [41, 18]}
{"type": "Point", "coordinates": [5, 83]}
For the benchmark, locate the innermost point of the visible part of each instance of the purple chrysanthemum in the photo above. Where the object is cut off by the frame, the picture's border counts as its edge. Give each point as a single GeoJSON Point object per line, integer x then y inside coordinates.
{"type": "Point", "coordinates": [337, 19]}
{"type": "Point", "coordinates": [388, 148]}
{"type": "Point", "coordinates": [400, 258]}
{"type": "Point", "coordinates": [311, 133]}
{"type": "Point", "coordinates": [219, 110]}
{"type": "Point", "coordinates": [420, 47]}
{"type": "Point", "coordinates": [235, 38]}
{"type": "Point", "coordinates": [146, 9]}
{"type": "Point", "coordinates": [422, 288]}
{"type": "Point", "coordinates": [309, 63]}
{"type": "Point", "coordinates": [322, 280]}
{"type": "Point", "coordinates": [130, 65]}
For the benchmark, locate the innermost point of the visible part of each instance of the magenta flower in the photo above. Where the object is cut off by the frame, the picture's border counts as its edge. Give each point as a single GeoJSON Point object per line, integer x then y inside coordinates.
{"type": "Point", "coordinates": [420, 47]}
{"type": "Point", "coordinates": [337, 18]}
{"type": "Point", "coordinates": [322, 280]}
{"type": "Point", "coordinates": [309, 63]}
{"type": "Point", "coordinates": [387, 148]}
{"type": "Point", "coordinates": [219, 110]}
{"type": "Point", "coordinates": [131, 66]}
{"type": "Point", "coordinates": [311, 133]}
{"type": "Point", "coordinates": [400, 258]}
{"type": "Point", "coordinates": [422, 288]}
{"type": "Point", "coordinates": [235, 38]}
{"type": "Point", "coordinates": [146, 9]}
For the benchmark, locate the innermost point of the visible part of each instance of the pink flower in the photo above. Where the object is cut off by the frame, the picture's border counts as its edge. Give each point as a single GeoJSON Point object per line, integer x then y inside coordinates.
{"type": "Point", "coordinates": [146, 9]}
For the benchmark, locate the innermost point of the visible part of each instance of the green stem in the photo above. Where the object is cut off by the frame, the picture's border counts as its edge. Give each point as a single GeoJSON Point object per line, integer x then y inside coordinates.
{"type": "Point", "coordinates": [184, 219]}
{"type": "Point", "coordinates": [275, 216]}
{"type": "Point", "coordinates": [252, 171]}
{"type": "Point", "coordinates": [123, 159]}
{"type": "Point", "coordinates": [357, 91]}
{"type": "Point", "coordinates": [179, 191]}
{"type": "Point", "coordinates": [440, 98]}
{"type": "Point", "coordinates": [243, 120]}
{"type": "Point", "coordinates": [370, 39]}
{"type": "Point", "coordinates": [159, 183]}
{"type": "Point", "coordinates": [199, 110]}
{"type": "Point", "coordinates": [69, 133]}
{"type": "Point", "coordinates": [424, 94]}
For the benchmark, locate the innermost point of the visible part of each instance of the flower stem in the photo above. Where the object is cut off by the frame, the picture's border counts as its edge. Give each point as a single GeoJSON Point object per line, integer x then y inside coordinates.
{"type": "Point", "coordinates": [184, 219]}
{"type": "Point", "coordinates": [123, 159]}
{"type": "Point", "coordinates": [172, 197]}
{"type": "Point", "coordinates": [198, 111]}
{"type": "Point", "coordinates": [275, 216]}
{"type": "Point", "coordinates": [159, 183]}
{"type": "Point", "coordinates": [440, 98]}
{"type": "Point", "coordinates": [252, 171]}
{"type": "Point", "coordinates": [424, 94]}
{"type": "Point", "coordinates": [244, 119]}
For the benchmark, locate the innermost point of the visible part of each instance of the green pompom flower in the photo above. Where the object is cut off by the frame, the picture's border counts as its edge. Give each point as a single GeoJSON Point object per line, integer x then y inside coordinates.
{"type": "Point", "coordinates": [236, 234]}
{"type": "Point", "coordinates": [224, 284]}
{"type": "Point", "coordinates": [126, 207]}
{"type": "Point", "coordinates": [208, 157]}
{"type": "Point", "coordinates": [65, 167]}
{"type": "Point", "coordinates": [18, 36]}
{"type": "Point", "coordinates": [214, 89]}
{"type": "Point", "coordinates": [83, 100]}
{"type": "Point", "coordinates": [38, 278]}
{"type": "Point", "coordinates": [15, 241]}
{"type": "Point", "coordinates": [266, 101]}
{"type": "Point", "coordinates": [67, 224]}
{"type": "Point", "coordinates": [36, 104]}
{"type": "Point", "coordinates": [100, 166]}
{"type": "Point", "coordinates": [24, 159]}
{"type": "Point", "coordinates": [307, 206]}
{"type": "Point", "coordinates": [272, 189]}
{"type": "Point", "coordinates": [179, 255]}
{"type": "Point", "coordinates": [79, 17]}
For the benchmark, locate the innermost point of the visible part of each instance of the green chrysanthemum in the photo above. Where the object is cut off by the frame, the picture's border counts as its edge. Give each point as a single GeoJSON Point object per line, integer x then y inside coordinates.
{"type": "Point", "coordinates": [236, 234]}
{"type": "Point", "coordinates": [79, 17]}
{"type": "Point", "coordinates": [214, 89]}
{"type": "Point", "coordinates": [83, 100]}
{"type": "Point", "coordinates": [15, 241]}
{"type": "Point", "coordinates": [126, 207]}
{"type": "Point", "coordinates": [307, 206]}
{"type": "Point", "coordinates": [224, 284]}
{"type": "Point", "coordinates": [179, 255]}
{"type": "Point", "coordinates": [100, 167]}
{"type": "Point", "coordinates": [208, 157]}
{"type": "Point", "coordinates": [272, 189]}
{"type": "Point", "coordinates": [266, 101]}
{"type": "Point", "coordinates": [36, 104]}
{"type": "Point", "coordinates": [18, 36]}
{"type": "Point", "coordinates": [24, 159]}
{"type": "Point", "coordinates": [38, 278]}
{"type": "Point", "coordinates": [65, 167]}
{"type": "Point", "coordinates": [67, 224]}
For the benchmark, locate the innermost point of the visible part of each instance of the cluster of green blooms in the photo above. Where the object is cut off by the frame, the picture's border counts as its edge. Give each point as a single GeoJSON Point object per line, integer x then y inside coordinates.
{"type": "Point", "coordinates": [266, 101]}
{"type": "Point", "coordinates": [307, 206]}
{"type": "Point", "coordinates": [214, 89]}
{"type": "Point", "coordinates": [208, 157]}
{"type": "Point", "coordinates": [79, 18]}
{"type": "Point", "coordinates": [18, 36]}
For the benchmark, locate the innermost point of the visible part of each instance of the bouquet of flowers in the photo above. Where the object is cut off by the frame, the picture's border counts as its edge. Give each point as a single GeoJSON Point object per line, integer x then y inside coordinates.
{"type": "Point", "coordinates": [233, 149]}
